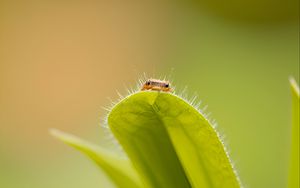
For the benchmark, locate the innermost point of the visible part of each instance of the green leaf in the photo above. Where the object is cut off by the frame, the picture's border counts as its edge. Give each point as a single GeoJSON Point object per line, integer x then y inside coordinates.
{"type": "Point", "coordinates": [118, 169]}
{"type": "Point", "coordinates": [170, 143]}
{"type": "Point", "coordinates": [294, 160]}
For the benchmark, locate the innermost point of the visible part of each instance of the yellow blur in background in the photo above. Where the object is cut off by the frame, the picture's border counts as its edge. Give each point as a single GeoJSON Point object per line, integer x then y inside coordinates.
{"type": "Point", "coordinates": [60, 61]}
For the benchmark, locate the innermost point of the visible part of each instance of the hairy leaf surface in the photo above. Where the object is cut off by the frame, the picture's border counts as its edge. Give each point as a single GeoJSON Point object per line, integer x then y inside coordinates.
{"type": "Point", "coordinates": [170, 143]}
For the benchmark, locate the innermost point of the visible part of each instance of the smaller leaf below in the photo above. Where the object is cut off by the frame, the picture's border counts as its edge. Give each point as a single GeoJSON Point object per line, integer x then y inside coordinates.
{"type": "Point", "coordinates": [118, 169]}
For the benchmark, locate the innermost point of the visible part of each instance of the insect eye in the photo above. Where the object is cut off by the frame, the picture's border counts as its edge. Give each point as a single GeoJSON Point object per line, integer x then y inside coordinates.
{"type": "Point", "coordinates": [147, 83]}
{"type": "Point", "coordinates": [167, 85]}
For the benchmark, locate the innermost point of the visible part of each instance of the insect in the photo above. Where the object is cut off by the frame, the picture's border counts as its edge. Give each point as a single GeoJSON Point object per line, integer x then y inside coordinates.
{"type": "Point", "coordinates": [156, 85]}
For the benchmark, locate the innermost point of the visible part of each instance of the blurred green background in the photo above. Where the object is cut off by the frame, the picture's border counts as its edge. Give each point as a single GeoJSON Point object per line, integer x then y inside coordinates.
{"type": "Point", "coordinates": [61, 60]}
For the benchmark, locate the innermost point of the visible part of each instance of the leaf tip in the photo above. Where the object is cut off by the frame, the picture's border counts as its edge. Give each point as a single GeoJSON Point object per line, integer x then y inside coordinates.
{"type": "Point", "coordinates": [294, 85]}
{"type": "Point", "coordinates": [60, 135]}
{"type": "Point", "coordinates": [54, 132]}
